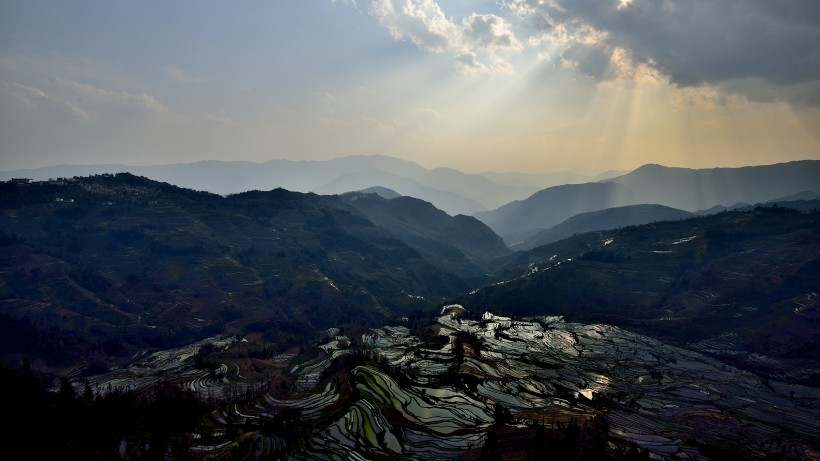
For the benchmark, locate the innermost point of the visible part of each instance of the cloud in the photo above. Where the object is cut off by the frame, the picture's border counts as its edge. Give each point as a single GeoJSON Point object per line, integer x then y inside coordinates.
{"type": "Point", "coordinates": [63, 99]}
{"type": "Point", "coordinates": [347, 2]}
{"type": "Point", "coordinates": [693, 42]}
{"type": "Point", "coordinates": [420, 21]}
{"type": "Point", "coordinates": [30, 98]}
{"type": "Point", "coordinates": [467, 63]}
{"type": "Point", "coordinates": [476, 37]}
{"type": "Point", "coordinates": [103, 100]}
{"type": "Point", "coordinates": [703, 97]}
{"type": "Point", "coordinates": [30, 66]}
{"type": "Point", "coordinates": [490, 32]}
{"type": "Point", "coordinates": [218, 119]}
{"type": "Point", "coordinates": [180, 75]}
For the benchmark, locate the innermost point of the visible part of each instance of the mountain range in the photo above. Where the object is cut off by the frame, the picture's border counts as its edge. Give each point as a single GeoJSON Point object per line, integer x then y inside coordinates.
{"type": "Point", "coordinates": [300, 325]}
{"type": "Point", "coordinates": [450, 190]}
{"type": "Point", "coordinates": [609, 218]}
{"type": "Point", "coordinates": [693, 190]}
{"type": "Point", "coordinates": [515, 205]}
{"type": "Point", "coordinates": [114, 263]}
{"type": "Point", "coordinates": [685, 189]}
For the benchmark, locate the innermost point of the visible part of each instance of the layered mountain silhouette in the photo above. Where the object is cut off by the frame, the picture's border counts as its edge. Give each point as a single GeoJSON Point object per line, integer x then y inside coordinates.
{"type": "Point", "coordinates": [681, 188]}
{"type": "Point", "coordinates": [611, 218]}
{"type": "Point", "coordinates": [450, 190]}
{"type": "Point", "coordinates": [381, 192]}
{"type": "Point", "coordinates": [450, 202]}
{"type": "Point", "coordinates": [693, 190]}
{"type": "Point", "coordinates": [544, 180]}
{"type": "Point", "coordinates": [514, 205]}
{"type": "Point", "coordinates": [522, 219]}
{"type": "Point", "coordinates": [461, 244]}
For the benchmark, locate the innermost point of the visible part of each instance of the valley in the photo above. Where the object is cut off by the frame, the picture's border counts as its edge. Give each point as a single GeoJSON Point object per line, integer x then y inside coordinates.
{"type": "Point", "coordinates": [371, 325]}
{"type": "Point", "coordinates": [741, 285]}
{"type": "Point", "coordinates": [386, 392]}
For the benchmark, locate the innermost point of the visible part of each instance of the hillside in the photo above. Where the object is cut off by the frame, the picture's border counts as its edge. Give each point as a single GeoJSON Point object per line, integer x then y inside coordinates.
{"type": "Point", "coordinates": [742, 285]}
{"type": "Point", "coordinates": [109, 264]}
{"type": "Point", "coordinates": [611, 218]}
{"type": "Point", "coordinates": [522, 219]}
{"type": "Point", "coordinates": [447, 201]}
{"type": "Point", "coordinates": [461, 244]}
{"type": "Point", "coordinates": [558, 178]}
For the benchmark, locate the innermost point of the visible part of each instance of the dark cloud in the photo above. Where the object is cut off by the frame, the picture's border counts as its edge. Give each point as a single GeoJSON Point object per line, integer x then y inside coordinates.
{"type": "Point", "coordinates": [696, 42]}
{"type": "Point", "coordinates": [593, 61]}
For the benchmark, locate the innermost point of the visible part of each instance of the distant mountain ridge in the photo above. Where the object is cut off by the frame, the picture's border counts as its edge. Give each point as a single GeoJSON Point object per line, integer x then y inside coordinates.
{"type": "Point", "coordinates": [382, 192]}
{"type": "Point", "coordinates": [450, 190]}
{"type": "Point", "coordinates": [517, 210]}
{"type": "Point", "coordinates": [544, 180]}
{"type": "Point", "coordinates": [681, 188]}
{"type": "Point", "coordinates": [519, 220]}
{"type": "Point", "coordinates": [693, 190]}
{"type": "Point", "coordinates": [610, 218]}
{"type": "Point", "coordinates": [460, 243]}
{"type": "Point", "coordinates": [450, 202]}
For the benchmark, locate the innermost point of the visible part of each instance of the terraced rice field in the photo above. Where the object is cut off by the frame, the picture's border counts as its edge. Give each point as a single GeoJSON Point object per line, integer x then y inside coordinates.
{"type": "Point", "coordinates": [426, 401]}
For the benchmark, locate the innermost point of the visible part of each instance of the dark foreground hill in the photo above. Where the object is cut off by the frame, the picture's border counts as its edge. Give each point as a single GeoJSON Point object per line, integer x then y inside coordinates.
{"type": "Point", "coordinates": [741, 285]}
{"type": "Point", "coordinates": [102, 266]}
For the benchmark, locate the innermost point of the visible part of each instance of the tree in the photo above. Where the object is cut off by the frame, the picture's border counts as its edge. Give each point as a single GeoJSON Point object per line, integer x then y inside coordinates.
{"type": "Point", "coordinates": [491, 450]}
{"type": "Point", "coordinates": [66, 389]}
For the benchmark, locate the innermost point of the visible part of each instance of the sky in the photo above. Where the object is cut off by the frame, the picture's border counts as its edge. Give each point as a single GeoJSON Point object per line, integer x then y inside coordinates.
{"type": "Point", "coordinates": [503, 85]}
